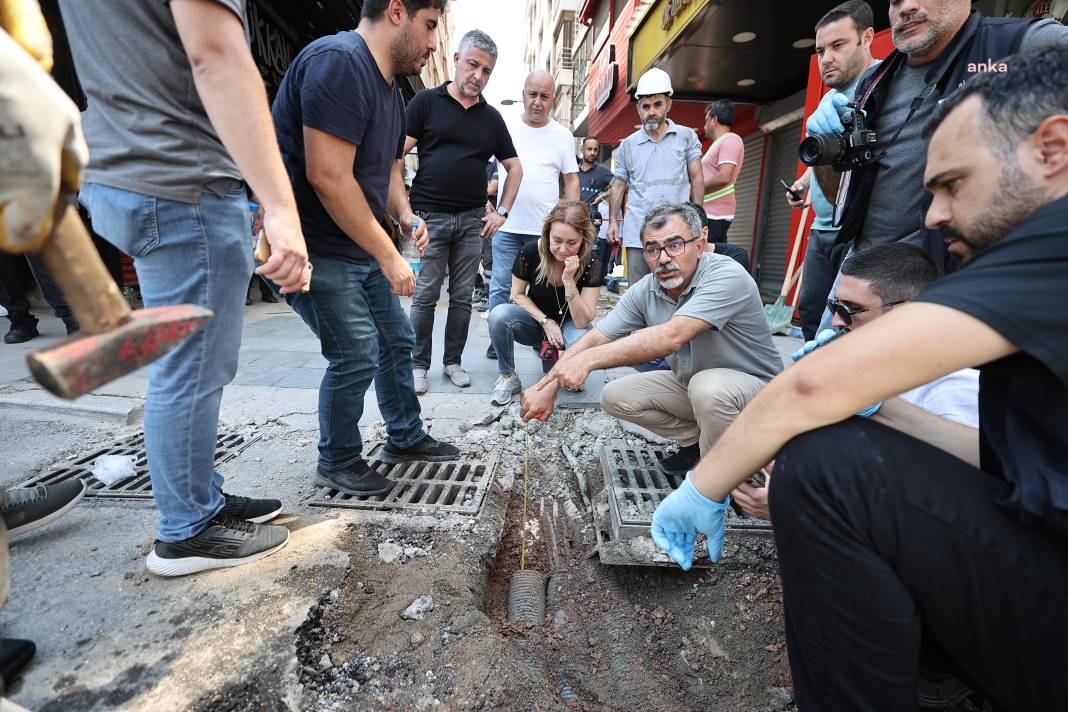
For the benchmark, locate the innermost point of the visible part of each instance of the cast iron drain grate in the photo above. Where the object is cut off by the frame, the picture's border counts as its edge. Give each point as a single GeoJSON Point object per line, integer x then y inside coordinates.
{"type": "Point", "coordinates": [137, 486]}
{"type": "Point", "coordinates": [454, 487]}
{"type": "Point", "coordinates": [636, 485]}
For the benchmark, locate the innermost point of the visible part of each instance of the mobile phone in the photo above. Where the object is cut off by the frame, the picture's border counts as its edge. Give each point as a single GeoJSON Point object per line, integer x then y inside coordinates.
{"type": "Point", "coordinates": [796, 195]}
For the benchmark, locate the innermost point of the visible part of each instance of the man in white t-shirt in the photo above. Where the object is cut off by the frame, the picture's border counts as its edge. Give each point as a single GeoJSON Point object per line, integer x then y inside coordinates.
{"type": "Point", "coordinates": [546, 151]}
{"type": "Point", "coordinates": [944, 412]}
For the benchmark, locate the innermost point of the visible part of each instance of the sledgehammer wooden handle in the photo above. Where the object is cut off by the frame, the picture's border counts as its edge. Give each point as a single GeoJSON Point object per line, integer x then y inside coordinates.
{"type": "Point", "coordinates": [263, 253]}
{"type": "Point", "coordinates": [76, 266]}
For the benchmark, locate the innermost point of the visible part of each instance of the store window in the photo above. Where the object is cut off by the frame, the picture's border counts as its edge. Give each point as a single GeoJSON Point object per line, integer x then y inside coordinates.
{"type": "Point", "coordinates": [617, 9]}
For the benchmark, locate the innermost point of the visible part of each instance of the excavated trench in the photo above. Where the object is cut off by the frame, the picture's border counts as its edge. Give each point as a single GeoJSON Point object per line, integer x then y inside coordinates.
{"type": "Point", "coordinates": [576, 635]}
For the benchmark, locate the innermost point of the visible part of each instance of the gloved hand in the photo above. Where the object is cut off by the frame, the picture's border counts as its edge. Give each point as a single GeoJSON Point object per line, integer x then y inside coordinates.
{"type": "Point", "coordinates": [870, 410]}
{"type": "Point", "coordinates": [809, 346]}
{"type": "Point", "coordinates": [42, 148]}
{"type": "Point", "coordinates": [681, 515]}
{"type": "Point", "coordinates": [827, 118]}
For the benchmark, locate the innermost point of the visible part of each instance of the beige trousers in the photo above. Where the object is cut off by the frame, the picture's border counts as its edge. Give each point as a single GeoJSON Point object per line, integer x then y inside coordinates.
{"type": "Point", "coordinates": [699, 412]}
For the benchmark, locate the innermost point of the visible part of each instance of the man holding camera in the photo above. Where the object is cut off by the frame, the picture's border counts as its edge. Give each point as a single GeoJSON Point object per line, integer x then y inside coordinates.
{"type": "Point", "coordinates": [888, 558]}
{"type": "Point", "coordinates": [843, 47]}
{"type": "Point", "coordinates": [940, 45]}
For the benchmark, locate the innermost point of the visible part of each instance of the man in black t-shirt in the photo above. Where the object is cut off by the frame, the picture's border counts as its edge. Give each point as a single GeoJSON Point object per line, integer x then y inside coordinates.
{"type": "Point", "coordinates": [339, 117]}
{"type": "Point", "coordinates": [594, 179]}
{"type": "Point", "coordinates": [893, 551]}
{"type": "Point", "coordinates": [456, 132]}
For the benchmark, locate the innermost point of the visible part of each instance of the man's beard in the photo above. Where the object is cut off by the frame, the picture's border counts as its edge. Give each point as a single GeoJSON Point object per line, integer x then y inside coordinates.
{"type": "Point", "coordinates": [406, 55]}
{"type": "Point", "coordinates": [937, 29]}
{"type": "Point", "coordinates": [652, 124]}
{"type": "Point", "coordinates": [848, 72]}
{"type": "Point", "coordinates": [465, 89]}
{"type": "Point", "coordinates": [672, 283]}
{"type": "Point", "coordinates": [1018, 198]}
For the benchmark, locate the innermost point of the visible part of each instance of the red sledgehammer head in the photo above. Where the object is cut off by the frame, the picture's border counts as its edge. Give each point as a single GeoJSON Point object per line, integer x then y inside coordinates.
{"type": "Point", "coordinates": [81, 363]}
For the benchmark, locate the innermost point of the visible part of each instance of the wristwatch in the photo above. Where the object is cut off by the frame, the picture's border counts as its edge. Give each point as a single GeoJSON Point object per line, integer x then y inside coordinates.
{"type": "Point", "coordinates": [544, 321]}
{"type": "Point", "coordinates": [503, 213]}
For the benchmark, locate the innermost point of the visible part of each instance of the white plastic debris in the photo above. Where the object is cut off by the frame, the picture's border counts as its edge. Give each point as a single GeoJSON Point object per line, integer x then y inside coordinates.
{"type": "Point", "coordinates": [109, 469]}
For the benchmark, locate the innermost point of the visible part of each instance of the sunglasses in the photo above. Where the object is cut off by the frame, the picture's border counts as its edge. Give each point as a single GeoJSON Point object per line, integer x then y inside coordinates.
{"type": "Point", "coordinates": [847, 314]}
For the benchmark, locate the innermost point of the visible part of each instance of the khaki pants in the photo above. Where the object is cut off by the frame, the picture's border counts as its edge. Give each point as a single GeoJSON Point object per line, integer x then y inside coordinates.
{"type": "Point", "coordinates": [662, 403]}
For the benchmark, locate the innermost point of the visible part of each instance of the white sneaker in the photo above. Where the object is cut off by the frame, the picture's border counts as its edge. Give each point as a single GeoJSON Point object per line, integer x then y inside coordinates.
{"type": "Point", "coordinates": [506, 388]}
{"type": "Point", "coordinates": [456, 373]}
{"type": "Point", "coordinates": [419, 375]}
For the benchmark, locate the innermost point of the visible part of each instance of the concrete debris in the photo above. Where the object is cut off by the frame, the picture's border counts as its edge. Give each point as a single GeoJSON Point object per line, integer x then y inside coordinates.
{"type": "Point", "coordinates": [781, 694]}
{"type": "Point", "coordinates": [325, 663]}
{"type": "Point", "coordinates": [643, 433]}
{"type": "Point", "coordinates": [389, 552]}
{"type": "Point", "coordinates": [418, 608]}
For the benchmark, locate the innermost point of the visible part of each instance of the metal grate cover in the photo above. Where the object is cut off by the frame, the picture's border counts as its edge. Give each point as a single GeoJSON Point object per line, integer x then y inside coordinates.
{"type": "Point", "coordinates": [635, 485]}
{"type": "Point", "coordinates": [137, 486]}
{"type": "Point", "coordinates": [455, 487]}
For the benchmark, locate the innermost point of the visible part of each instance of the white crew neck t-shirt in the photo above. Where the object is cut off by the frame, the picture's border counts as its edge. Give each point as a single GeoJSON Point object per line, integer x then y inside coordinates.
{"type": "Point", "coordinates": [545, 153]}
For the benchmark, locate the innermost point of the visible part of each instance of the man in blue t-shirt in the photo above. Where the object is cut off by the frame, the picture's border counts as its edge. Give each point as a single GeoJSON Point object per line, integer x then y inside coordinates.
{"type": "Point", "coordinates": [889, 547]}
{"type": "Point", "coordinates": [339, 117]}
{"type": "Point", "coordinates": [843, 46]}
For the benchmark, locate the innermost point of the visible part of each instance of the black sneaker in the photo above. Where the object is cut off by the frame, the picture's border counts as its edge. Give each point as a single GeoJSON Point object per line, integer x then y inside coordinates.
{"type": "Point", "coordinates": [268, 298]}
{"type": "Point", "coordinates": [20, 333]}
{"type": "Point", "coordinates": [27, 508]}
{"type": "Point", "coordinates": [425, 450]}
{"type": "Point", "coordinates": [256, 511]}
{"type": "Point", "coordinates": [15, 655]}
{"type": "Point", "coordinates": [682, 461]}
{"type": "Point", "coordinates": [491, 354]}
{"type": "Point", "coordinates": [72, 326]}
{"type": "Point", "coordinates": [358, 479]}
{"type": "Point", "coordinates": [248, 300]}
{"type": "Point", "coordinates": [226, 542]}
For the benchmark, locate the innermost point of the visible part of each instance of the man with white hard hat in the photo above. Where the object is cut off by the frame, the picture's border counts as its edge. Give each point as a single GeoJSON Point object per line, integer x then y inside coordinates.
{"type": "Point", "coordinates": [658, 163]}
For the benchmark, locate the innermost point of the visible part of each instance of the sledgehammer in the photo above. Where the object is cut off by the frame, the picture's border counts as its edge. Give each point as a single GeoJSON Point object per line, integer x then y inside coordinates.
{"type": "Point", "coordinates": [113, 340]}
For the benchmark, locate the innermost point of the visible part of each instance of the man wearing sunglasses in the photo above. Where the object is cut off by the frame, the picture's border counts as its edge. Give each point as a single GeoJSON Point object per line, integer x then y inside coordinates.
{"type": "Point", "coordinates": [944, 412]}
{"type": "Point", "coordinates": [699, 310]}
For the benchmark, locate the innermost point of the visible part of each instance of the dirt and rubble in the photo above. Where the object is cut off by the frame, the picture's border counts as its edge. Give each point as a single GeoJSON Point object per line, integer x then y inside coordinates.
{"type": "Point", "coordinates": [420, 620]}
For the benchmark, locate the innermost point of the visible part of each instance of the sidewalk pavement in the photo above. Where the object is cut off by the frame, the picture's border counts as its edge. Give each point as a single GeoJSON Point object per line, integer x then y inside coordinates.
{"type": "Point", "coordinates": [109, 634]}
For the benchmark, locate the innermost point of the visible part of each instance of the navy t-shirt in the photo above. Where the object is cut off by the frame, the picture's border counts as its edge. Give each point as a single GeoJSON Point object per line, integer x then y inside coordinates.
{"type": "Point", "coordinates": [335, 86]}
{"type": "Point", "coordinates": [593, 182]}
{"type": "Point", "coordinates": [1019, 288]}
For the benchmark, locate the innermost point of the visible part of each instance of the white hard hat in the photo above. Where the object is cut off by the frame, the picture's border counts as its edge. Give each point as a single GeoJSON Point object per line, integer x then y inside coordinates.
{"type": "Point", "coordinates": [654, 81]}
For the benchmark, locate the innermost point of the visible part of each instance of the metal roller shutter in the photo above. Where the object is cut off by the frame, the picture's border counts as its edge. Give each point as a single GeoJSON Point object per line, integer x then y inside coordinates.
{"type": "Point", "coordinates": [776, 212]}
{"type": "Point", "coordinates": [747, 193]}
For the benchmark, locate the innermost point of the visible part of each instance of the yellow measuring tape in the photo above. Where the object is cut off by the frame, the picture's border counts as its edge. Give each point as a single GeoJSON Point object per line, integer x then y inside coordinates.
{"type": "Point", "coordinates": [523, 531]}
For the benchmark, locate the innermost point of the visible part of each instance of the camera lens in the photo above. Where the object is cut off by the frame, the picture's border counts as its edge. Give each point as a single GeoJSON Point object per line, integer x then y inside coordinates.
{"type": "Point", "coordinates": [819, 150]}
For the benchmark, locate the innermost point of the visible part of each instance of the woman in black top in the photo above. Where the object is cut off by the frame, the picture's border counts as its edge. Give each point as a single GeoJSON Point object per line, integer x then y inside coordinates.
{"type": "Point", "coordinates": [555, 285]}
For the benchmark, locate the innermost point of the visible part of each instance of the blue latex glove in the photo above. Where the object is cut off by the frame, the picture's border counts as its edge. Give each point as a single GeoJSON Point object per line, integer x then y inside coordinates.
{"type": "Point", "coordinates": [681, 515]}
{"type": "Point", "coordinates": [827, 118]}
{"type": "Point", "coordinates": [870, 410]}
{"type": "Point", "coordinates": [822, 338]}
{"type": "Point", "coordinates": [810, 346]}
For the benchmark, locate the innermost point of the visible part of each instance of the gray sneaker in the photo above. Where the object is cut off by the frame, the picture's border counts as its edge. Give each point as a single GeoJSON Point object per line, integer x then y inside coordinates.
{"type": "Point", "coordinates": [421, 386]}
{"type": "Point", "coordinates": [27, 508]}
{"type": "Point", "coordinates": [506, 388]}
{"type": "Point", "coordinates": [456, 373]}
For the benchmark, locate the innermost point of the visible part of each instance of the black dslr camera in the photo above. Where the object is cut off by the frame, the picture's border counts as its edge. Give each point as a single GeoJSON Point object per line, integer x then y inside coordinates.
{"type": "Point", "coordinates": [843, 152]}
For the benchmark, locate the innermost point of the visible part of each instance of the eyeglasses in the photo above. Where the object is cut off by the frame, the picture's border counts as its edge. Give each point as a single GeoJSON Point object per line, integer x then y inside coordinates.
{"type": "Point", "coordinates": [847, 315]}
{"type": "Point", "coordinates": [673, 248]}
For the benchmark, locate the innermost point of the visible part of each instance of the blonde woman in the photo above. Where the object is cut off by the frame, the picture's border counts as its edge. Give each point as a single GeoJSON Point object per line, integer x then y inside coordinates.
{"type": "Point", "coordinates": [555, 285]}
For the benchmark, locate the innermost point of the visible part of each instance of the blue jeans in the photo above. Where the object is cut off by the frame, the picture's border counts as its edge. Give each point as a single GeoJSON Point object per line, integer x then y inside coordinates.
{"type": "Point", "coordinates": [184, 253]}
{"type": "Point", "coordinates": [822, 259]}
{"type": "Point", "coordinates": [364, 334]}
{"type": "Point", "coordinates": [506, 247]}
{"type": "Point", "coordinates": [510, 324]}
{"type": "Point", "coordinates": [455, 244]}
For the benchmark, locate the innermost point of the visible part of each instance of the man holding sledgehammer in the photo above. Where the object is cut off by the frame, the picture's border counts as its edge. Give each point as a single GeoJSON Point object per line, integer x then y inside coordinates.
{"type": "Point", "coordinates": [177, 120]}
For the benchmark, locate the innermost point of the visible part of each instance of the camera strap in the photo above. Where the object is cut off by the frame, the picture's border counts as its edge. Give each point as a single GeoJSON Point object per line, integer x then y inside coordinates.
{"type": "Point", "coordinates": [933, 84]}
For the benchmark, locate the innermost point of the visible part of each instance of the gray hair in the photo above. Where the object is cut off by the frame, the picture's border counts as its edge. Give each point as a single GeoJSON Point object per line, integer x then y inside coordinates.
{"type": "Point", "coordinates": [658, 217]}
{"type": "Point", "coordinates": [479, 40]}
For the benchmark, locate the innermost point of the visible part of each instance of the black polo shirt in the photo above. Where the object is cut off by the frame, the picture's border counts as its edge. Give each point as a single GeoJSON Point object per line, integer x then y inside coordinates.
{"type": "Point", "coordinates": [1019, 288]}
{"type": "Point", "coordinates": [454, 146]}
